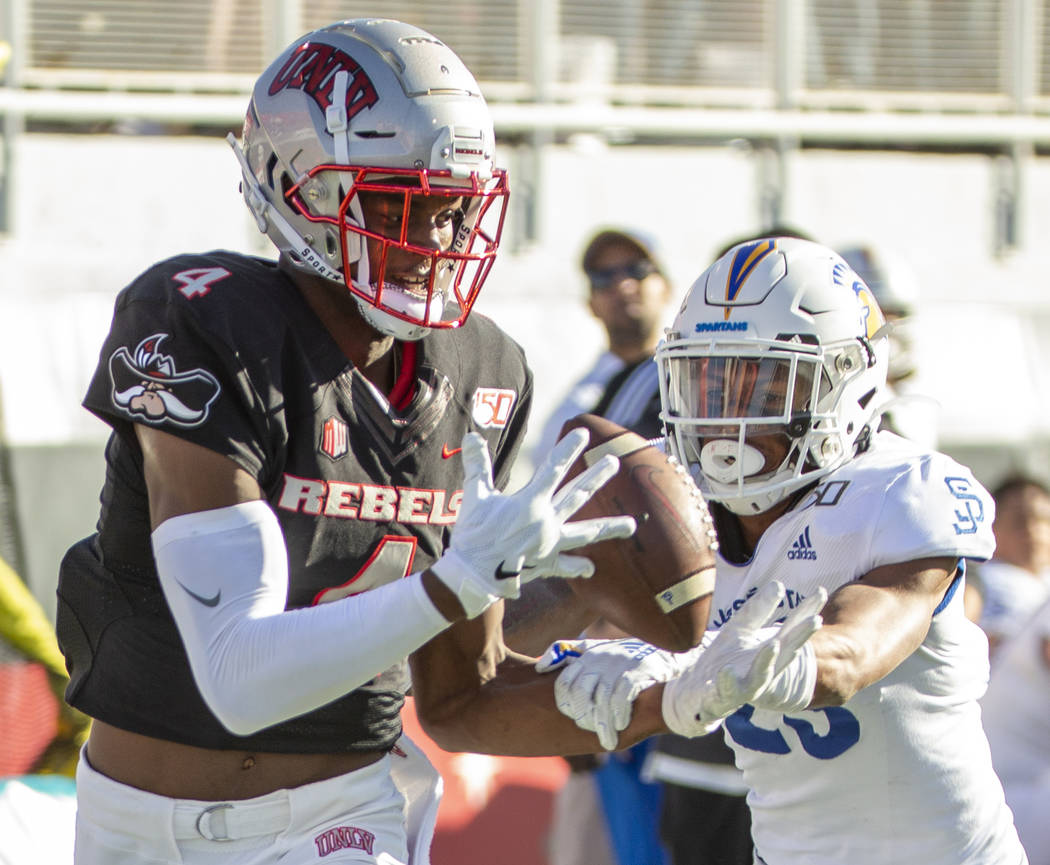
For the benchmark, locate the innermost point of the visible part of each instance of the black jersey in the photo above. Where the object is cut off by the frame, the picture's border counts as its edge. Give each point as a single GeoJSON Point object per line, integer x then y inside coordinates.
{"type": "Point", "coordinates": [222, 349]}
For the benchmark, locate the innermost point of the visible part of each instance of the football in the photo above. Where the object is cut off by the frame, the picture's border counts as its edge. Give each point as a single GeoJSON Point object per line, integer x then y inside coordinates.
{"type": "Point", "coordinates": [655, 585]}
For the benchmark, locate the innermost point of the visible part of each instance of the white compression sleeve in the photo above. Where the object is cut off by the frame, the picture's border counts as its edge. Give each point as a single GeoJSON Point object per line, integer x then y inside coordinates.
{"type": "Point", "coordinates": [224, 574]}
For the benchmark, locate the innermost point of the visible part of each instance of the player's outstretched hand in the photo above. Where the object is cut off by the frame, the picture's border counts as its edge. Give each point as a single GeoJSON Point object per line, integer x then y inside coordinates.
{"type": "Point", "coordinates": [748, 661]}
{"type": "Point", "coordinates": [600, 680]}
{"type": "Point", "coordinates": [501, 541]}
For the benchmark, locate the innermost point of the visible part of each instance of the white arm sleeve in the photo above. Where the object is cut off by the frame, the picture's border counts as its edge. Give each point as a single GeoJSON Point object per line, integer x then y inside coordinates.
{"type": "Point", "coordinates": [224, 574]}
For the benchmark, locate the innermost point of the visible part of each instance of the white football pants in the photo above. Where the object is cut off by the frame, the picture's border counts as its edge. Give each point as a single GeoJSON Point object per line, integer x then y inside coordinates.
{"type": "Point", "coordinates": [359, 817]}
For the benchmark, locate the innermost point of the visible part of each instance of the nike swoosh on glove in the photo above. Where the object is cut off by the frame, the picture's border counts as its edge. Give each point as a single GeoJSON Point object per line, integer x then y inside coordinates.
{"type": "Point", "coordinates": [501, 541]}
{"type": "Point", "coordinates": [600, 680]}
{"type": "Point", "coordinates": [749, 661]}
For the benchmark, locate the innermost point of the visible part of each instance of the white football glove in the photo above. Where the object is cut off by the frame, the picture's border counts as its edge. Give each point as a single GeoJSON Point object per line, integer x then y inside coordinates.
{"type": "Point", "coordinates": [770, 667]}
{"type": "Point", "coordinates": [501, 541]}
{"type": "Point", "coordinates": [602, 678]}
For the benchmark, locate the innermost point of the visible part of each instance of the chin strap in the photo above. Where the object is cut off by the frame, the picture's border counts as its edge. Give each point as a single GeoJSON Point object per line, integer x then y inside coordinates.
{"type": "Point", "coordinates": [335, 118]}
{"type": "Point", "coordinates": [338, 127]}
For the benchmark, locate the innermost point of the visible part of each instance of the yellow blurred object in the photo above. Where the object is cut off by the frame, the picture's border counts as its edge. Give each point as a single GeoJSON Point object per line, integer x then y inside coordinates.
{"type": "Point", "coordinates": [5, 55]}
{"type": "Point", "coordinates": [25, 626]}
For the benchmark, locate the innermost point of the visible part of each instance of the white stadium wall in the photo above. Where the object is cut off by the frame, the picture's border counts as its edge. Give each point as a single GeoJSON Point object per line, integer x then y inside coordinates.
{"type": "Point", "coordinates": [92, 211]}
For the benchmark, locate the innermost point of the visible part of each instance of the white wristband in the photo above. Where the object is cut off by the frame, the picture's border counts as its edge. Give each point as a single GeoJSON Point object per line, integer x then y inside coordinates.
{"type": "Point", "coordinates": [458, 576]}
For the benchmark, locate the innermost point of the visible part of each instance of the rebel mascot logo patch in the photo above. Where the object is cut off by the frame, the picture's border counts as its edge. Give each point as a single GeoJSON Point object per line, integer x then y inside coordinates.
{"type": "Point", "coordinates": [149, 387]}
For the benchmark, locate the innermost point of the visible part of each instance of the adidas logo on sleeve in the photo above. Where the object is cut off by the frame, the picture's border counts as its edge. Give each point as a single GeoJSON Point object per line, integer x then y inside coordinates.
{"type": "Point", "coordinates": [802, 548]}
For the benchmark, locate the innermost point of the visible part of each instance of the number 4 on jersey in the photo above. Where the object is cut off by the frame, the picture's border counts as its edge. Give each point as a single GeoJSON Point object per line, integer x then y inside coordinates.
{"type": "Point", "coordinates": [391, 560]}
{"type": "Point", "coordinates": [198, 281]}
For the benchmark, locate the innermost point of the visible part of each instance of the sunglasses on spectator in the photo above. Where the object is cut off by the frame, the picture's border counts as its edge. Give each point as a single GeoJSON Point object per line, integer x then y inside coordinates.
{"type": "Point", "coordinates": [606, 278]}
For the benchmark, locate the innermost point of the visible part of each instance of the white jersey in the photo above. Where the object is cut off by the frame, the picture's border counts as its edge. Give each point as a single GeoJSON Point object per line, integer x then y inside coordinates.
{"type": "Point", "coordinates": [901, 772]}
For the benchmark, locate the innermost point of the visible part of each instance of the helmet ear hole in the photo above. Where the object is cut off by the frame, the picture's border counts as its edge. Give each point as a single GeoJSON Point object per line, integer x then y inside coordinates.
{"type": "Point", "coordinates": [331, 245]}
{"type": "Point", "coordinates": [271, 164]}
{"type": "Point", "coordinates": [286, 184]}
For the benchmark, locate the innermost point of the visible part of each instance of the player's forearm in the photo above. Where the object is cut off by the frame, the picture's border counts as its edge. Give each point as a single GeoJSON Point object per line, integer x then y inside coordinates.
{"type": "Point", "coordinates": [547, 610]}
{"type": "Point", "coordinates": [515, 714]}
{"type": "Point", "coordinates": [473, 694]}
{"type": "Point", "coordinates": [868, 631]}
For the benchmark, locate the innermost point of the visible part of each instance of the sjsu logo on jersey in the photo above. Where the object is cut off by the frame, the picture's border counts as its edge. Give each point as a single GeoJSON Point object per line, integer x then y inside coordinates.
{"type": "Point", "coordinates": [312, 69]}
{"type": "Point", "coordinates": [802, 548]}
{"type": "Point", "coordinates": [970, 514]}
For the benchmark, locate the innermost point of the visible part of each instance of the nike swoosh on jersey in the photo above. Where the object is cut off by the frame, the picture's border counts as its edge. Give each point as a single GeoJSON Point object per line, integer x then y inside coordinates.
{"type": "Point", "coordinates": [506, 575]}
{"type": "Point", "coordinates": [447, 452]}
{"type": "Point", "coordinates": [208, 602]}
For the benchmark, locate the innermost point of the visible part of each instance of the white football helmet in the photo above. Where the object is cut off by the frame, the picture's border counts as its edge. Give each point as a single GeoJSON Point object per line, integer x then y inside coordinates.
{"type": "Point", "coordinates": [895, 287]}
{"type": "Point", "coordinates": [778, 344]}
{"type": "Point", "coordinates": [374, 107]}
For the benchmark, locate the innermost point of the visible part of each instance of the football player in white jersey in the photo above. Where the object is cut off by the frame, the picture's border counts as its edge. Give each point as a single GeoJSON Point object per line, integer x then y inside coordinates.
{"type": "Point", "coordinates": [864, 747]}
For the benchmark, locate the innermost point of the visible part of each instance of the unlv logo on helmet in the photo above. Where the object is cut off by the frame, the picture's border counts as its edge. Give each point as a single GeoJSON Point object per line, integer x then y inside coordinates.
{"type": "Point", "coordinates": [312, 68]}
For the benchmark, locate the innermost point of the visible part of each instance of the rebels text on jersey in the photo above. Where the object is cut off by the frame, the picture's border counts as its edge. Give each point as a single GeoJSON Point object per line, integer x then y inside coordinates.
{"type": "Point", "coordinates": [222, 350]}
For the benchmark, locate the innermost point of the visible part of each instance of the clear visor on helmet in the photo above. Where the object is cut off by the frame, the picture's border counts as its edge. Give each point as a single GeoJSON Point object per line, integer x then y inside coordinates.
{"type": "Point", "coordinates": [771, 388]}
{"type": "Point", "coordinates": [741, 420]}
{"type": "Point", "coordinates": [416, 244]}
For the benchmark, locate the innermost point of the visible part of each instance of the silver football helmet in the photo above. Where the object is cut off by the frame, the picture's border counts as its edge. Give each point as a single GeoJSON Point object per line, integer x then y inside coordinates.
{"type": "Point", "coordinates": [367, 157]}
{"type": "Point", "coordinates": [773, 371]}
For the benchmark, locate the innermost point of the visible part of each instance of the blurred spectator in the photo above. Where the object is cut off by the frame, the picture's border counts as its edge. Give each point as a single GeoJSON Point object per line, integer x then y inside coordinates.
{"type": "Point", "coordinates": [1017, 579]}
{"type": "Point", "coordinates": [1016, 715]}
{"type": "Point", "coordinates": [628, 292]}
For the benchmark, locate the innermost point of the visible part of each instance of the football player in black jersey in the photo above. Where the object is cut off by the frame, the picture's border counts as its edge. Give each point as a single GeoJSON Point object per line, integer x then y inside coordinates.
{"type": "Point", "coordinates": [302, 492]}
